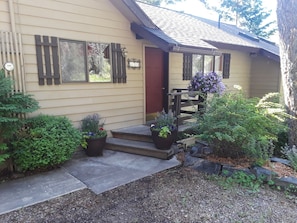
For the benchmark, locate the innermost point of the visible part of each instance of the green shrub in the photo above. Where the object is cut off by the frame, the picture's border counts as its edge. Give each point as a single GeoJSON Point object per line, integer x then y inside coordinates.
{"type": "Point", "coordinates": [291, 155]}
{"type": "Point", "coordinates": [44, 141]}
{"type": "Point", "coordinates": [236, 126]}
{"type": "Point", "coordinates": [13, 105]}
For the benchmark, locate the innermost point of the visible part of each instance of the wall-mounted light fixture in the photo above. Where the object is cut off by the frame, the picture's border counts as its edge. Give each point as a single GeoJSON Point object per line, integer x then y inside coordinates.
{"type": "Point", "coordinates": [8, 66]}
{"type": "Point", "coordinates": [134, 63]}
{"type": "Point", "coordinates": [124, 52]}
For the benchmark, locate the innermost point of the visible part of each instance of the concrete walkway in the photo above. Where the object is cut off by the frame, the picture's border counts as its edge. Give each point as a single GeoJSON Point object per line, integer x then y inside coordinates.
{"type": "Point", "coordinates": [99, 174]}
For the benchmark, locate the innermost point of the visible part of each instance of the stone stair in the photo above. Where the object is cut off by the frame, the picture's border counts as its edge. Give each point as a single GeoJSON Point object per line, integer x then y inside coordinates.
{"type": "Point", "coordinates": [137, 140]}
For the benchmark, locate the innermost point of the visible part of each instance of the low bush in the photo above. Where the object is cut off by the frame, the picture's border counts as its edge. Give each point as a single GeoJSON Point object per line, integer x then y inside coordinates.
{"type": "Point", "coordinates": [236, 126]}
{"type": "Point", "coordinates": [291, 154]}
{"type": "Point", "coordinates": [44, 141]}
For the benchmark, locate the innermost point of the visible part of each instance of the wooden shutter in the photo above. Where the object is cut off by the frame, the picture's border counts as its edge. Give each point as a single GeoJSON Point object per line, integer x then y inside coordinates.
{"type": "Point", "coordinates": [48, 59]}
{"type": "Point", "coordinates": [118, 64]}
{"type": "Point", "coordinates": [187, 66]}
{"type": "Point", "coordinates": [226, 65]}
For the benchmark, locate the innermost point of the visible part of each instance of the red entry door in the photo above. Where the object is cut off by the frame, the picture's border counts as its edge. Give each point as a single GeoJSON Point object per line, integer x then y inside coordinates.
{"type": "Point", "coordinates": [154, 79]}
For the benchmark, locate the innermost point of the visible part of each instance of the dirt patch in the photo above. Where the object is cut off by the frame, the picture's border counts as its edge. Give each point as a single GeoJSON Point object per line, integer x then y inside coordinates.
{"type": "Point", "coordinates": [176, 195]}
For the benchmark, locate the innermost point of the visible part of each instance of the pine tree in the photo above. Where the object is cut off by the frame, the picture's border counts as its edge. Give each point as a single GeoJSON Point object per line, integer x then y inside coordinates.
{"type": "Point", "coordinates": [248, 14]}
{"type": "Point", "coordinates": [13, 106]}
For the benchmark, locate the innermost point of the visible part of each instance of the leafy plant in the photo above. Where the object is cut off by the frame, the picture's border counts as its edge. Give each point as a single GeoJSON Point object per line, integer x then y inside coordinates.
{"type": "Point", "coordinates": [164, 124]}
{"type": "Point", "coordinates": [92, 128]}
{"type": "Point", "coordinates": [44, 141]}
{"type": "Point", "coordinates": [13, 106]}
{"type": "Point", "coordinates": [164, 132]}
{"type": "Point", "coordinates": [236, 126]}
{"type": "Point", "coordinates": [291, 155]}
{"type": "Point", "coordinates": [245, 180]}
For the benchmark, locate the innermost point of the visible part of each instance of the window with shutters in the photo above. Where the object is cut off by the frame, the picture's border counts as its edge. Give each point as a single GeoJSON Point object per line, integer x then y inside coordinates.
{"type": "Point", "coordinates": [79, 61]}
{"type": "Point", "coordinates": [195, 63]}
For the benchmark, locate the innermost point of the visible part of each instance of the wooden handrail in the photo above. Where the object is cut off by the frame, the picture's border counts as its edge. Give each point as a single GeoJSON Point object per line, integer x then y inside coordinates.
{"type": "Point", "coordinates": [178, 102]}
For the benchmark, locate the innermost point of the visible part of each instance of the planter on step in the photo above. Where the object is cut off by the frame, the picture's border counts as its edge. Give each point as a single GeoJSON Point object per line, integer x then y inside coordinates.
{"type": "Point", "coordinates": [164, 143]}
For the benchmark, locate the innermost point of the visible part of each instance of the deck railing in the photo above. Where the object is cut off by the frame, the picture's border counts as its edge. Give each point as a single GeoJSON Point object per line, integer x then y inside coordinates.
{"type": "Point", "coordinates": [184, 102]}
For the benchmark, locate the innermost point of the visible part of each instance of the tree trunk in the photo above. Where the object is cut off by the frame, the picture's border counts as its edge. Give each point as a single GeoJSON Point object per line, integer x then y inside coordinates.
{"type": "Point", "coordinates": [287, 25]}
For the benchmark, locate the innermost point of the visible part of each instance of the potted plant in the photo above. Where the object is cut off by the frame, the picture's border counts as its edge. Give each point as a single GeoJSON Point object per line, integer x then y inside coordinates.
{"type": "Point", "coordinates": [93, 135]}
{"type": "Point", "coordinates": [164, 131]}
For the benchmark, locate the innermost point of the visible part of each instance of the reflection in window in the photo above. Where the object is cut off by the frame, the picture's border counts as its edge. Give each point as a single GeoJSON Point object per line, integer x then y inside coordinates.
{"type": "Point", "coordinates": [72, 58]}
{"type": "Point", "coordinates": [206, 63]}
{"type": "Point", "coordinates": [99, 68]}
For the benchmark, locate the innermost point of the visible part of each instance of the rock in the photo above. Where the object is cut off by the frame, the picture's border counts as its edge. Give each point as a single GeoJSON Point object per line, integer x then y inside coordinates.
{"type": "Point", "coordinates": [263, 173]}
{"type": "Point", "coordinates": [287, 183]}
{"type": "Point", "coordinates": [208, 167]}
{"type": "Point", "coordinates": [280, 160]}
{"type": "Point", "coordinates": [191, 161]}
{"type": "Point", "coordinates": [200, 151]}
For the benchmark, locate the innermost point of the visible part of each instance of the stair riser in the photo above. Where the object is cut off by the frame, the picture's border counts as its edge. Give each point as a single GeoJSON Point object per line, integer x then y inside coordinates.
{"type": "Point", "coordinates": [128, 136]}
{"type": "Point", "coordinates": [157, 154]}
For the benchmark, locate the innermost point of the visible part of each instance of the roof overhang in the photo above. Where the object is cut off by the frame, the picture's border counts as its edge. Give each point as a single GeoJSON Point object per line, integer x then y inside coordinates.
{"type": "Point", "coordinates": [167, 44]}
{"type": "Point", "coordinates": [269, 55]}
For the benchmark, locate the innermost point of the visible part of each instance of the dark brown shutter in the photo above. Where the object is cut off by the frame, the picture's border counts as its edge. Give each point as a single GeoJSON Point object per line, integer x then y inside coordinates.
{"type": "Point", "coordinates": [187, 66]}
{"type": "Point", "coordinates": [118, 64]}
{"type": "Point", "coordinates": [50, 61]}
{"type": "Point", "coordinates": [226, 65]}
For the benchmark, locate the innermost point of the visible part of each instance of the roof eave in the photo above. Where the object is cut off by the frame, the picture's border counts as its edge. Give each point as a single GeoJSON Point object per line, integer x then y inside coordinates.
{"type": "Point", "coordinates": [269, 55]}
{"type": "Point", "coordinates": [168, 44]}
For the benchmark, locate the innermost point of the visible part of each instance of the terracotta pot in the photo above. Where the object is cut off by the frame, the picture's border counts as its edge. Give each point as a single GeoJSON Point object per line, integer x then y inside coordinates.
{"type": "Point", "coordinates": [164, 143]}
{"type": "Point", "coordinates": [95, 146]}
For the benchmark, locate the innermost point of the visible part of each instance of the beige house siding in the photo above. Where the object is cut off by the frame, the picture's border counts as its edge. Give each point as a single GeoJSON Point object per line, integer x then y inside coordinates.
{"type": "Point", "coordinates": [239, 71]}
{"type": "Point", "coordinates": [265, 76]}
{"type": "Point", "coordinates": [120, 104]}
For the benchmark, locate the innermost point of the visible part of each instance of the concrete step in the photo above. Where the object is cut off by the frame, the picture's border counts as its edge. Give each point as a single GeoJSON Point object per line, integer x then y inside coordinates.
{"type": "Point", "coordinates": [137, 133]}
{"type": "Point", "coordinates": [139, 148]}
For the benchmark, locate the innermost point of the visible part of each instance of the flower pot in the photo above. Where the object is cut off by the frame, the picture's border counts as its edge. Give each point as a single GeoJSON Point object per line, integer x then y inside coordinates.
{"type": "Point", "coordinates": [95, 146]}
{"type": "Point", "coordinates": [164, 143]}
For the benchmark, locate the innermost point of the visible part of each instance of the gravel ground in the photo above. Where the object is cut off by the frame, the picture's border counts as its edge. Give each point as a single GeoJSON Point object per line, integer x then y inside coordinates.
{"type": "Point", "coordinates": [176, 195]}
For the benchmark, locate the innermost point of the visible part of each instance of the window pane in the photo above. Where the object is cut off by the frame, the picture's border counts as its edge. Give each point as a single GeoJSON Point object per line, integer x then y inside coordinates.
{"type": "Point", "coordinates": [219, 64]}
{"type": "Point", "coordinates": [197, 64]}
{"type": "Point", "coordinates": [208, 64]}
{"type": "Point", "coordinates": [99, 62]}
{"type": "Point", "coordinates": [73, 65]}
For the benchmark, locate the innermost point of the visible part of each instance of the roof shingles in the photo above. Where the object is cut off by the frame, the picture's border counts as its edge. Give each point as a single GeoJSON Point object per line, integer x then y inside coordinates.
{"type": "Point", "coordinates": [188, 30]}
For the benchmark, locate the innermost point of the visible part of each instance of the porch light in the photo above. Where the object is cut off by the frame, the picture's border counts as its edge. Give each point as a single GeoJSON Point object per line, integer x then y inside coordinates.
{"type": "Point", "coordinates": [8, 66]}
{"type": "Point", "coordinates": [124, 52]}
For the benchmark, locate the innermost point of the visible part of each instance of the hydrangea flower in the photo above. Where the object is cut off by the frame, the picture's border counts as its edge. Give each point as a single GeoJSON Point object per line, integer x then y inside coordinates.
{"type": "Point", "coordinates": [207, 83]}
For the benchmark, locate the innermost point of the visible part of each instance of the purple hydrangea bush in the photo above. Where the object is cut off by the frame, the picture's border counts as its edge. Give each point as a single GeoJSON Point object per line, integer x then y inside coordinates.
{"type": "Point", "coordinates": [207, 83]}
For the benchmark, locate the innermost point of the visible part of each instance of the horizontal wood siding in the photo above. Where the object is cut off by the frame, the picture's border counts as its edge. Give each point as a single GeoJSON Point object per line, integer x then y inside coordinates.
{"type": "Point", "coordinates": [265, 76]}
{"type": "Point", "coordinates": [240, 68]}
{"type": "Point", "coordinates": [122, 104]}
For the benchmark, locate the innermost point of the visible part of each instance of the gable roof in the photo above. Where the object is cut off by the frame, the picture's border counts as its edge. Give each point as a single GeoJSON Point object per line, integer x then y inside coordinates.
{"type": "Point", "coordinates": [175, 31]}
{"type": "Point", "coordinates": [267, 48]}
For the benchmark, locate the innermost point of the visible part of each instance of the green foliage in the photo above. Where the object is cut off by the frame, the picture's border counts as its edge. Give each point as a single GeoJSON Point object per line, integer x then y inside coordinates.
{"type": "Point", "coordinates": [12, 106]}
{"type": "Point", "coordinates": [164, 124]}
{"type": "Point", "coordinates": [164, 132]}
{"type": "Point", "coordinates": [291, 155]}
{"type": "Point", "coordinates": [92, 127]}
{"type": "Point", "coordinates": [249, 14]}
{"type": "Point", "coordinates": [236, 126]}
{"type": "Point", "coordinates": [163, 119]}
{"type": "Point", "coordinates": [93, 124]}
{"type": "Point", "coordinates": [44, 141]}
{"type": "Point", "coordinates": [245, 180]}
